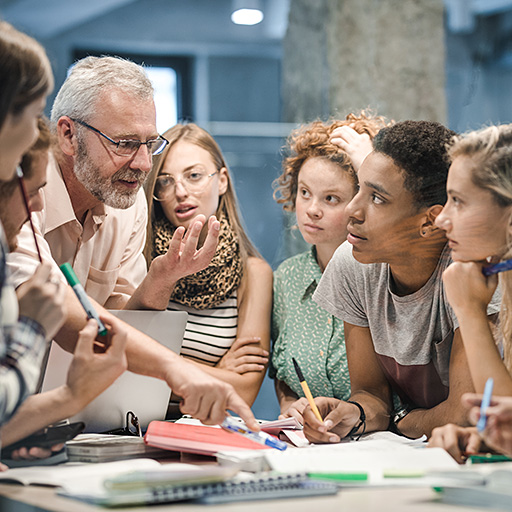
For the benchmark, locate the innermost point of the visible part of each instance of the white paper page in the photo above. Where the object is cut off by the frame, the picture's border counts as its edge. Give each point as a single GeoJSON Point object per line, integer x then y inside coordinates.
{"type": "Point", "coordinates": [372, 457]}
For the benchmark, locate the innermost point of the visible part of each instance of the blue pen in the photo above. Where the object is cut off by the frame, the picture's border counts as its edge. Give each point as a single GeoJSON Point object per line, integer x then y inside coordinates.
{"type": "Point", "coordinates": [486, 401]}
{"type": "Point", "coordinates": [233, 425]}
{"type": "Point", "coordinates": [503, 266]}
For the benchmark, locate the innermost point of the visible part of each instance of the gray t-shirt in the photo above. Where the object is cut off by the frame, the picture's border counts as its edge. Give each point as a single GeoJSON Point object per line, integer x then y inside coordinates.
{"type": "Point", "coordinates": [412, 335]}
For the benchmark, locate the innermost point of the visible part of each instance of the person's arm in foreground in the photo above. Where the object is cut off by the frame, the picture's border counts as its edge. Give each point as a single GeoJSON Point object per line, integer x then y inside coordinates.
{"type": "Point", "coordinates": [89, 374]}
{"type": "Point", "coordinates": [244, 365]}
{"type": "Point", "coordinates": [469, 292]}
{"type": "Point", "coordinates": [369, 388]}
{"type": "Point", "coordinates": [182, 258]}
{"type": "Point", "coordinates": [423, 421]}
{"type": "Point", "coordinates": [41, 309]}
{"type": "Point", "coordinates": [204, 397]}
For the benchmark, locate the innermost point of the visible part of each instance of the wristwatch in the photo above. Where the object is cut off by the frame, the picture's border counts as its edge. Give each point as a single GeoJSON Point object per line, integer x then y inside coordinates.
{"type": "Point", "coordinates": [397, 416]}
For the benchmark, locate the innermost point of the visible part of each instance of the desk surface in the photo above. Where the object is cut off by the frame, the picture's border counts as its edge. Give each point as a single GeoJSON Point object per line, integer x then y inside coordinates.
{"type": "Point", "coordinates": [356, 500]}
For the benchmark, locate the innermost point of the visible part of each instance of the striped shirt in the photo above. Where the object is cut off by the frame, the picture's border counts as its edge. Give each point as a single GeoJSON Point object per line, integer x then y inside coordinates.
{"type": "Point", "coordinates": [209, 333]}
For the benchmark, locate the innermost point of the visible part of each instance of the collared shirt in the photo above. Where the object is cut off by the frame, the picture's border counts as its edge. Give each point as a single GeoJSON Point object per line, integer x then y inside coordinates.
{"type": "Point", "coordinates": [22, 346]}
{"type": "Point", "coordinates": [105, 252]}
{"type": "Point", "coordinates": [303, 330]}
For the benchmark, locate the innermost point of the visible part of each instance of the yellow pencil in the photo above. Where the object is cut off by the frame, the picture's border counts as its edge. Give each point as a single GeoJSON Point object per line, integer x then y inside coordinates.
{"type": "Point", "coordinates": [306, 390]}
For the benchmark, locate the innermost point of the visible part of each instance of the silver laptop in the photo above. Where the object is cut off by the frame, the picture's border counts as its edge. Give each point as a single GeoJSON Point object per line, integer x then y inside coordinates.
{"type": "Point", "coordinates": [146, 397]}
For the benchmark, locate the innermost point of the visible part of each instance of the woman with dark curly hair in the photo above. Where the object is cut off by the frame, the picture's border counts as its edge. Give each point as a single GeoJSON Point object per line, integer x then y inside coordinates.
{"type": "Point", "coordinates": [317, 182]}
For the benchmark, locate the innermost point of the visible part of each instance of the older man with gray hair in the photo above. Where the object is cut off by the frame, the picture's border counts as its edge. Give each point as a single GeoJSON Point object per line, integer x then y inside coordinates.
{"type": "Point", "coordinates": [95, 216]}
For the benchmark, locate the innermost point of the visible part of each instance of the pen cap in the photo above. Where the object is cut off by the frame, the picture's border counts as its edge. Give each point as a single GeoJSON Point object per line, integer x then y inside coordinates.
{"type": "Point", "coordinates": [69, 273]}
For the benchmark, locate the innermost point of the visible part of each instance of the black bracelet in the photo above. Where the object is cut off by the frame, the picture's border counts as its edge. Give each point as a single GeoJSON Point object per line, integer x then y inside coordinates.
{"type": "Point", "coordinates": [362, 421]}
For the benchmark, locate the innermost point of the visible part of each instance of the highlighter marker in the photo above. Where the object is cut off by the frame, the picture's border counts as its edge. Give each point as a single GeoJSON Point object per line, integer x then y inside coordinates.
{"type": "Point", "coordinates": [233, 425]}
{"type": "Point", "coordinates": [306, 390]}
{"type": "Point", "coordinates": [73, 281]}
{"type": "Point", "coordinates": [486, 401]}
{"type": "Point", "coordinates": [503, 266]}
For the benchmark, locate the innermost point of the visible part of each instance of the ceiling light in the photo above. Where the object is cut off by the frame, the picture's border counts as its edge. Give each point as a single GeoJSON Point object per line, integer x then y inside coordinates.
{"type": "Point", "coordinates": [247, 12]}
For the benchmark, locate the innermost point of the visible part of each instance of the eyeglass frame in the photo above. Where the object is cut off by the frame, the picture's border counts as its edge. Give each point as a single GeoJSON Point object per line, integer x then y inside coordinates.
{"type": "Point", "coordinates": [175, 182]}
{"type": "Point", "coordinates": [116, 144]}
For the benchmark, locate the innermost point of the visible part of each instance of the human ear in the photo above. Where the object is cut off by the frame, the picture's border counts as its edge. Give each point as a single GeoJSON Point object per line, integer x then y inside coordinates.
{"type": "Point", "coordinates": [428, 225]}
{"type": "Point", "coordinates": [223, 181]}
{"type": "Point", "coordinates": [66, 135]}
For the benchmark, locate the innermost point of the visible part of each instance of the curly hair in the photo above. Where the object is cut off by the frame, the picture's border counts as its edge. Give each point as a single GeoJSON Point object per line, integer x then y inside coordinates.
{"type": "Point", "coordinates": [313, 140]}
{"type": "Point", "coordinates": [420, 150]}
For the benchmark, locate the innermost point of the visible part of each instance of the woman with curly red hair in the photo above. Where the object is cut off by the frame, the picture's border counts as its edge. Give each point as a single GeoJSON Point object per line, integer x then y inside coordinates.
{"type": "Point", "coordinates": [317, 182]}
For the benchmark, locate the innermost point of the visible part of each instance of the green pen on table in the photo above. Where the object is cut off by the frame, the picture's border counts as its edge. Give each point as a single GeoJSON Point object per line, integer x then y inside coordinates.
{"type": "Point", "coordinates": [340, 477]}
{"type": "Point", "coordinates": [482, 458]}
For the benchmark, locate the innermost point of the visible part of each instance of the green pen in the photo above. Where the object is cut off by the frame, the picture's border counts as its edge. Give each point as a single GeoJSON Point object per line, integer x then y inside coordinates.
{"type": "Point", "coordinates": [340, 477]}
{"type": "Point", "coordinates": [73, 281]}
{"type": "Point", "coordinates": [483, 458]}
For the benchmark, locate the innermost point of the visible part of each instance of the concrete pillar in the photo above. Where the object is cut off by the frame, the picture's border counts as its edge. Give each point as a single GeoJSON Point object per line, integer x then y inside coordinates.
{"type": "Point", "coordinates": [344, 55]}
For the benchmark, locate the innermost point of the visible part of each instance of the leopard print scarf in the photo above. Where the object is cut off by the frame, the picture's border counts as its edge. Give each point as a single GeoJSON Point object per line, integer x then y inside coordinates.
{"type": "Point", "coordinates": [213, 285]}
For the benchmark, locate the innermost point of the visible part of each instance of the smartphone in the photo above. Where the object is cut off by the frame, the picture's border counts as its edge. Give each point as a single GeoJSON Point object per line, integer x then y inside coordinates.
{"type": "Point", "coordinates": [47, 438]}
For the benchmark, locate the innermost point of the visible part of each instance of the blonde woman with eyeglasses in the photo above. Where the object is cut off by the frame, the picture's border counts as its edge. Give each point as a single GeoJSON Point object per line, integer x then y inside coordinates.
{"type": "Point", "coordinates": [229, 302]}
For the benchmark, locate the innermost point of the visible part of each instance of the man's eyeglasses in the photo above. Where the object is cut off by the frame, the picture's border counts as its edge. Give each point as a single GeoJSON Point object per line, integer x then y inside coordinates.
{"type": "Point", "coordinates": [194, 181]}
{"type": "Point", "coordinates": [129, 147]}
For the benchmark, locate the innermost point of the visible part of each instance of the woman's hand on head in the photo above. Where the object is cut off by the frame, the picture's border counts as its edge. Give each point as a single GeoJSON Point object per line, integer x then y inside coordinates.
{"type": "Point", "coordinates": [245, 355]}
{"type": "Point", "coordinates": [357, 145]}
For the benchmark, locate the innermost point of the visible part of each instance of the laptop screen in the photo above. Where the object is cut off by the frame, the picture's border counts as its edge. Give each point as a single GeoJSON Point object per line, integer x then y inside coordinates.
{"type": "Point", "coordinates": [146, 397]}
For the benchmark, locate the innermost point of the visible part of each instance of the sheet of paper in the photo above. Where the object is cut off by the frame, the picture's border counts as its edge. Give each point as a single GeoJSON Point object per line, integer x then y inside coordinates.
{"type": "Point", "coordinates": [374, 457]}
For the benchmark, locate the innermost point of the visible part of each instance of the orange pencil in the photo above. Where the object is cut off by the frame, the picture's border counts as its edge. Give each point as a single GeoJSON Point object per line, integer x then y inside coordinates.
{"type": "Point", "coordinates": [306, 390]}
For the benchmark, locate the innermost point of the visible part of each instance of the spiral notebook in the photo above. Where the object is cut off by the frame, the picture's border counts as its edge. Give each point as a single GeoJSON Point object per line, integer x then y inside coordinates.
{"type": "Point", "coordinates": [237, 489]}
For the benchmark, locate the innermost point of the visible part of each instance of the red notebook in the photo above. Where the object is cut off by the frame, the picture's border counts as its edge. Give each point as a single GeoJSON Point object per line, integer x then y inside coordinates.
{"type": "Point", "coordinates": [196, 438]}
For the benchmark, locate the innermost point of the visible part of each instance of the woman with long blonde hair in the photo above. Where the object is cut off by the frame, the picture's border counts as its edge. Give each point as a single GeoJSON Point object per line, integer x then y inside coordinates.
{"type": "Point", "coordinates": [477, 219]}
{"type": "Point", "coordinates": [229, 302]}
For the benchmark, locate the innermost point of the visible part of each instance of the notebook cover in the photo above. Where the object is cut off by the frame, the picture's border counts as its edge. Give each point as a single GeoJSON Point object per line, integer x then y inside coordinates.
{"type": "Point", "coordinates": [196, 438]}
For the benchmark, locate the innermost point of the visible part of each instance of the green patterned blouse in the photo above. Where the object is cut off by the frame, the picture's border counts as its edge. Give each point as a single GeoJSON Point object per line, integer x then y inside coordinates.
{"type": "Point", "coordinates": [303, 330]}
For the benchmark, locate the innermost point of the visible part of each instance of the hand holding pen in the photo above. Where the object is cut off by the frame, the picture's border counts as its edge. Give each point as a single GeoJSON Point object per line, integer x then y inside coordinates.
{"type": "Point", "coordinates": [307, 392]}
{"type": "Point", "coordinates": [495, 268]}
{"type": "Point", "coordinates": [486, 401]}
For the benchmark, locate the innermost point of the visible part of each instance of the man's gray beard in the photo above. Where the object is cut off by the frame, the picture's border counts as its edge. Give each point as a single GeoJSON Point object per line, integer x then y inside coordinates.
{"type": "Point", "coordinates": [102, 188]}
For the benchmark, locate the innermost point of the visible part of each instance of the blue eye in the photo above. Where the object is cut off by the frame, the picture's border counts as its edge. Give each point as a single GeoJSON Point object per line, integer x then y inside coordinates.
{"type": "Point", "coordinates": [194, 176]}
